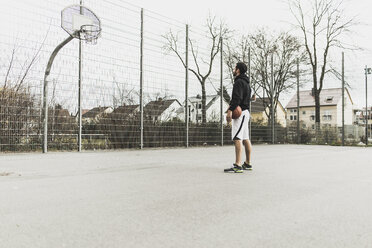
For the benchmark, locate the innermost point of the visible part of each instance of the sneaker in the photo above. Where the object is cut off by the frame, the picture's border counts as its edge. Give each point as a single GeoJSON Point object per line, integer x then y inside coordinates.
{"type": "Point", "coordinates": [235, 169]}
{"type": "Point", "coordinates": [246, 166]}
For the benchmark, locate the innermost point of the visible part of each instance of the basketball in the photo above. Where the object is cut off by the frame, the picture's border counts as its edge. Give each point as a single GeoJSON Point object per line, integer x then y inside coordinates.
{"type": "Point", "coordinates": [237, 112]}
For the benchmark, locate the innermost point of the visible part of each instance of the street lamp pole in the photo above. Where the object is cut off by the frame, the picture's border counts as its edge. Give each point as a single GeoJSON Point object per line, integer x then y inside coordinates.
{"type": "Point", "coordinates": [367, 71]}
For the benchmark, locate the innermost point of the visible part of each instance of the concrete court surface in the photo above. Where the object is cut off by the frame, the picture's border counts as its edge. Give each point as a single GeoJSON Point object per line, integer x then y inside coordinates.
{"type": "Point", "coordinates": [296, 196]}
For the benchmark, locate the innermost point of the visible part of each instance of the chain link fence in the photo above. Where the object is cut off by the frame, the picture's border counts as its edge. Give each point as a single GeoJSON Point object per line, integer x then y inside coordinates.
{"type": "Point", "coordinates": [149, 82]}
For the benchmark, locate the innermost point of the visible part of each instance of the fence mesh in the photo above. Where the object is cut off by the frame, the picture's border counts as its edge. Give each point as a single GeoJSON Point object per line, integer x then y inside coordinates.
{"type": "Point", "coordinates": [111, 85]}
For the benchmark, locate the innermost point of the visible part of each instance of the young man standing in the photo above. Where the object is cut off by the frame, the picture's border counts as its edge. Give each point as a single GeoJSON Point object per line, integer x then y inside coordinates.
{"type": "Point", "coordinates": [241, 96]}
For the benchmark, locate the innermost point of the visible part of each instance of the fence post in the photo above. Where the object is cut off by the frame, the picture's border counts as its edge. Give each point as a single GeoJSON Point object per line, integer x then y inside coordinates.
{"type": "Point", "coordinates": [221, 88]}
{"type": "Point", "coordinates": [250, 105]}
{"type": "Point", "coordinates": [187, 86]}
{"type": "Point", "coordinates": [298, 103]}
{"type": "Point", "coordinates": [45, 108]}
{"type": "Point", "coordinates": [79, 94]}
{"type": "Point", "coordinates": [272, 101]}
{"type": "Point", "coordinates": [366, 117]}
{"type": "Point", "coordinates": [141, 80]}
{"type": "Point", "coordinates": [343, 99]}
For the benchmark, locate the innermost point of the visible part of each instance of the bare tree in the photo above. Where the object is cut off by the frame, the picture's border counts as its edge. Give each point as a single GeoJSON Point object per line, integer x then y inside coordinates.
{"type": "Point", "coordinates": [17, 102]}
{"type": "Point", "coordinates": [236, 50]}
{"type": "Point", "coordinates": [226, 95]}
{"type": "Point", "coordinates": [123, 94]}
{"type": "Point", "coordinates": [322, 26]}
{"type": "Point", "coordinates": [263, 45]}
{"type": "Point", "coordinates": [10, 66]}
{"type": "Point", "coordinates": [274, 65]}
{"type": "Point", "coordinates": [20, 75]}
{"type": "Point", "coordinates": [214, 33]}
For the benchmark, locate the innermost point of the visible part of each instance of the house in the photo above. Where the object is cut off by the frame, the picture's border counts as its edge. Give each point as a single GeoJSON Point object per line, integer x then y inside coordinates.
{"type": "Point", "coordinates": [83, 111]}
{"type": "Point", "coordinates": [213, 108]}
{"type": "Point", "coordinates": [358, 117]}
{"type": "Point", "coordinates": [96, 113]}
{"type": "Point", "coordinates": [330, 108]}
{"type": "Point", "coordinates": [358, 128]}
{"type": "Point", "coordinates": [60, 120]}
{"type": "Point", "coordinates": [59, 115]}
{"type": "Point", "coordinates": [125, 112]}
{"type": "Point", "coordinates": [362, 120]}
{"type": "Point", "coordinates": [162, 110]}
{"type": "Point", "coordinates": [260, 107]}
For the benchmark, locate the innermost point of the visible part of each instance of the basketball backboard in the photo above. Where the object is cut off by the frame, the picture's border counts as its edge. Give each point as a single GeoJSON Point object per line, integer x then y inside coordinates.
{"type": "Point", "coordinates": [77, 20]}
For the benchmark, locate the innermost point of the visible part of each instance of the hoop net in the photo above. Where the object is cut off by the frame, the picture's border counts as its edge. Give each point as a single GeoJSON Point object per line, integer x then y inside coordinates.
{"type": "Point", "coordinates": [90, 33]}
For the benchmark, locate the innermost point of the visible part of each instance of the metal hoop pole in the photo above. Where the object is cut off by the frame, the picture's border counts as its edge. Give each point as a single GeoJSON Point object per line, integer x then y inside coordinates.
{"type": "Point", "coordinates": [187, 86]}
{"type": "Point", "coordinates": [141, 80]}
{"type": "Point", "coordinates": [221, 88]}
{"type": "Point", "coordinates": [45, 93]}
{"type": "Point", "coordinates": [79, 96]}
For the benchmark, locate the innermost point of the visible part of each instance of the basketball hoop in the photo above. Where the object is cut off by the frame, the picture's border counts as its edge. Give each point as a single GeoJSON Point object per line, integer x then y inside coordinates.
{"type": "Point", "coordinates": [81, 23]}
{"type": "Point", "coordinates": [90, 33]}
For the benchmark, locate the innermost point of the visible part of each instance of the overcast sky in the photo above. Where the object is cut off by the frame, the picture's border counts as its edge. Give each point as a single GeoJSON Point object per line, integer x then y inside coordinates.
{"type": "Point", "coordinates": [246, 16]}
{"type": "Point", "coordinates": [243, 16]}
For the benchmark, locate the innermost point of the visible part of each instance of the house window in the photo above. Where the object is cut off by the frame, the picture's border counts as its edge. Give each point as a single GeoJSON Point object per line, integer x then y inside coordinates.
{"type": "Point", "coordinates": [329, 99]}
{"type": "Point", "coordinates": [312, 117]}
{"type": "Point", "coordinates": [199, 106]}
{"type": "Point", "coordinates": [313, 127]}
{"type": "Point", "coordinates": [327, 116]}
{"type": "Point", "coordinates": [304, 112]}
{"type": "Point", "coordinates": [293, 110]}
{"type": "Point", "coordinates": [189, 109]}
{"type": "Point", "coordinates": [293, 117]}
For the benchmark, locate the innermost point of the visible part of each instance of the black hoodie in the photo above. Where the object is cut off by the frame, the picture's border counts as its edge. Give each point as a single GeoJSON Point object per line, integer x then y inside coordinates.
{"type": "Point", "coordinates": [241, 94]}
